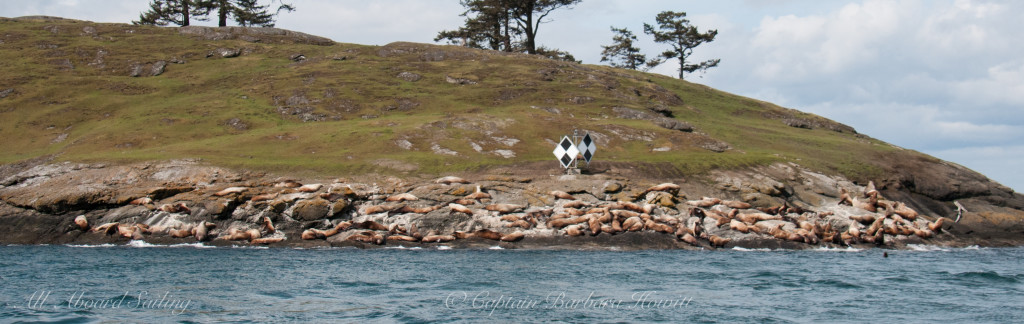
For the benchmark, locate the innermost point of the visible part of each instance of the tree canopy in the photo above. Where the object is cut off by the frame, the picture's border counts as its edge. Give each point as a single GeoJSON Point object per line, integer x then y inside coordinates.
{"type": "Point", "coordinates": [504, 25]}
{"type": "Point", "coordinates": [623, 54]}
{"type": "Point", "coordinates": [181, 12]}
{"type": "Point", "coordinates": [674, 29]}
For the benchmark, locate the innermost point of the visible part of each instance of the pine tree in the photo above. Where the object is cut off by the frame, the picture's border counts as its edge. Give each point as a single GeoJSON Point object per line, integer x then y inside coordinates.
{"type": "Point", "coordinates": [179, 12]}
{"type": "Point", "coordinates": [622, 54]}
{"type": "Point", "coordinates": [674, 29]}
{"type": "Point", "coordinates": [506, 25]}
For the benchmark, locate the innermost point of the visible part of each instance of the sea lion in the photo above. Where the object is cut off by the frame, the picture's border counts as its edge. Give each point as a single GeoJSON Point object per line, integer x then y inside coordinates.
{"type": "Point", "coordinates": [863, 219]}
{"type": "Point", "coordinates": [370, 225]}
{"type": "Point", "coordinates": [633, 224]}
{"type": "Point", "coordinates": [739, 226]}
{"type": "Point", "coordinates": [504, 208]}
{"type": "Point", "coordinates": [266, 240]}
{"type": "Point", "coordinates": [624, 213]}
{"type": "Point", "coordinates": [563, 222]}
{"type": "Point", "coordinates": [595, 226]}
{"type": "Point", "coordinates": [844, 197]}
{"type": "Point", "coordinates": [659, 227]}
{"type": "Point", "coordinates": [520, 223]}
{"type": "Point", "coordinates": [937, 225]}
{"type": "Point", "coordinates": [268, 225]}
{"type": "Point", "coordinates": [734, 204]}
{"type": "Point", "coordinates": [237, 235]}
{"type": "Point", "coordinates": [923, 233]}
{"type": "Point", "coordinates": [514, 237]}
{"type": "Point", "coordinates": [719, 220]}
{"type": "Point", "coordinates": [202, 230]}
{"type": "Point", "coordinates": [180, 233]}
{"type": "Point", "coordinates": [82, 222]}
{"type": "Point", "coordinates": [870, 190]}
{"type": "Point", "coordinates": [313, 187]}
{"type": "Point", "coordinates": [902, 210]}
{"type": "Point", "coordinates": [688, 238]}
{"type": "Point", "coordinates": [876, 226]}
{"type": "Point", "coordinates": [666, 187]}
{"type": "Point", "coordinates": [289, 183]}
{"type": "Point", "coordinates": [312, 234]}
{"type": "Point", "coordinates": [616, 226]}
{"type": "Point", "coordinates": [369, 210]}
{"type": "Point", "coordinates": [573, 230]}
{"type": "Point", "coordinates": [705, 202]}
{"type": "Point", "coordinates": [230, 190]}
{"type": "Point", "coordinates": [263, 197]}
{"type": "Point", "coordinates": [574, 212]}
{"type": "Point", "coordinates": [403, 238]}
{"type": "Point", "coordinates": [631, 206]}
{"type": "Point", "coordinates": [562, 195]}
{"type": "Point", "coordinates": [717, 241]}
{"type": "Point", "coordinates": [575, 204]}
{"type": "Point", "coordinates": [460, 209]}
{"type": "Point", "coordinates": [450, 180]}
{"type": "Point", "coordinates": [437, 238]}
{"type": "Point", "coordinates": [510, 218]}
{"type": "Point", "coordinates": [402, 197]}
{"type": "Point", "coordinates": [142, 201]}
{"type": "Point", "coordinates": [487, 234]}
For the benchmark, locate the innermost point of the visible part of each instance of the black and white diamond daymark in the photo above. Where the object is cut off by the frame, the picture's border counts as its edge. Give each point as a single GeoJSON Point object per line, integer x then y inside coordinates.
{"type": "Point", "coordinates": [565, 152]}
{"type": "Point", "coordinates": [587, 147]}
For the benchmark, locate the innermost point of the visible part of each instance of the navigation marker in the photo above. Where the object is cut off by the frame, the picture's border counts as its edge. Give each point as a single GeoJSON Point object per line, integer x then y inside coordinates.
{"type": "Point", "coordinates": [566, 152]}
{"type": "Point", "coordinates": [588, 147]}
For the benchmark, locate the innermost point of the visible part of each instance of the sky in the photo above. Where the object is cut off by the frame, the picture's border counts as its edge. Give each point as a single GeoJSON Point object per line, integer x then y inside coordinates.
{"type": "Point", "coordinates": [943, 77]}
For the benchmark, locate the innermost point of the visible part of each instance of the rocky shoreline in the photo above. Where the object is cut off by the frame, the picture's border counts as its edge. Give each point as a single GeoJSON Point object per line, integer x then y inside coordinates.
{"type": "Point", "coordinates": [782, 206]}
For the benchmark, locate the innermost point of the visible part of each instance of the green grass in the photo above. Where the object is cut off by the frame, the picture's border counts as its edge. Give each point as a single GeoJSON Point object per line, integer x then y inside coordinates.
{"type": "Point", "coordinates": [111, 117]}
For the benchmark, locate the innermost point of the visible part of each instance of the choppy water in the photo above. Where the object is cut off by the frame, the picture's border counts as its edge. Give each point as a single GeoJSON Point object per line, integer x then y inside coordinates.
{"type": "Point", "coordinates": [190, 283]}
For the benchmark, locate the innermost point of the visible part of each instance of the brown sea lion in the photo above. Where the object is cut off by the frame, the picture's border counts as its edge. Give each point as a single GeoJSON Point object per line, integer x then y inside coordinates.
{"type": "Point", "coordinates": [141, 201]}
{"type": "Point", "coordinates": [575, 204]}
{"type": "Point", "coordinates": [263, 197]}
{"type": "Point", "coordinates": [573, 230]}
{"type": "Point", "coordinates": [478, 196]}
{"type": "Point", "coordinates": [633, 224]}
{"type": "Point", "coordinates": [202, 230]}
{"type": "Point", "coordinates": [659, 227]}
{"type": "Point", "coordinates": [739, 226]}
{"type": "Point", "coordinates": [562, 195]}
{"type": "Point", "coordinates": [595, 225]}
{"type": "Point", "coordinates": [735, 204]}
{"type": "Point", "coordinates": [460, 209]}
{"type": "Point", "coordinates": [514, 237]}
{"type": "Point", "coordinates": [437, 238]}
{"type": "Point", "coordinates": [268, 225]}
{"type": "Point", "coordinates": [82, 222]}
{"type": "Point", "coordinates": [616, 226]}
{"type": "Point", "coordinates": [902, 210]}
{"type": "Point", "coordinates": [402, 197]}
{"type": "Point", "coordinates": [870, 190]}
{"type": "Point", "coordinates": [666, 187]}
{"type": "Point", "coordinates": [403, 238]}
{"type": "Point", "coordinates": [235, 234]}
{"type": "Point", "coordinates": [717, 241]}
{"type": "Point", "coordinates": [487, 234]}
{"type": "Point", "coordinates": [180, 233]}
{"type": "Point", "coordinates": [266, 240]}
{"type": "Point", "coordinates": [313, 187]}
{"type": "Point", "coordinates": [705, 202]}
{"type": "Point", "coordinates": [688, 238]}
{"type": "Point", "coordinates": [312, 234]}
{"type": "Point", "coordinates": [450, 180]}
{"type": "Point", "coordinates": [624, 213]}
{"type": "Point", "coordinates": [937, 225]}
{"type": "Point", "coordinates": [863, 219]}
{"type": "Point", "coordinates": [563, 222]}
{"type": "Point", "coordinates": [923, 233]}
{"type": "Point", "coordinates": [510, 218]}
{"type": "Point", "coordinates": [504, 208]}
{"type": "Point", "coordinates": [876, 226]}
{"type": "Point", "coordinates": [521, 224]}
{"type": "Point", "coordinates": [844, 197]}
{"type": "Point", "coordinates": [230, 190]}
{"type": "Point", "coordinates": [370, 225]}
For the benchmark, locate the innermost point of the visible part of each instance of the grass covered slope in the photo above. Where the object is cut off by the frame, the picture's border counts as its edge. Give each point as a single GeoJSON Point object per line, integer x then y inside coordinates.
{"type": "Point", "coordinates": [401, 108]}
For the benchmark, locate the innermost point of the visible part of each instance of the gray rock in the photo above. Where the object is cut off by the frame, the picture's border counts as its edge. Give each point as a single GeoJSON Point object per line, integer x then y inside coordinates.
{"type": "Point", "coordinates": [227, 52]}
{"type": "Point", "coordinates": [136, 70]}
{"type": "Point", "coordinates": [5, 92]}
{"type": "Point", "coordinates": [311, 209]}
{"type": "Point", "coordinates": [158, 68]}
{"type": "Point", "coordinates": [297, 57]}
{"type": "Point", "coordinates": [409, 76]}
{"type": "Point", "coordinates": [460, 81]}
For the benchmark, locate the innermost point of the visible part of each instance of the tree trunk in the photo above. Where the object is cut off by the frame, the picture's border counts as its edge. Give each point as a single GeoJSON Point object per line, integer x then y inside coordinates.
{"type": "Point", "coordinates": [682, 63]}
{"type": "Point", "coordinates": [507, 39]}
{"type": "Point", "coordinates": [184, 13]}
{"type": "Point", "coordinates": [222, 14]}
{"type": "Point", "coordinates": [531, 34]}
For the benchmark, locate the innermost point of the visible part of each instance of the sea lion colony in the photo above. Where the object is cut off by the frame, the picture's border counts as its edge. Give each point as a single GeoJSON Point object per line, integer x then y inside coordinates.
{"type": "Point", "coordinates": [709, 222]}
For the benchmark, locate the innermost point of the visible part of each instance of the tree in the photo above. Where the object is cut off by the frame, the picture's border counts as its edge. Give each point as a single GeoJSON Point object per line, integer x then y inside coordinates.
{"type": "Point", "coordinates": [675, 29]}
{"type": "Point", "coordinates": [622, 54]}
{"type": "Point", "coordinates": [506, 25]}
{"type": "Point", "coordinates": [179, 12]}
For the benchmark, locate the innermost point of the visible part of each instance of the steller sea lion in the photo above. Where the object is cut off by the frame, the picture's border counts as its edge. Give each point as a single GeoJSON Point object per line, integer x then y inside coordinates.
{"type": "Point", "coordinates": [437, 238]}
{"type": "Point", "coordinates": [659, 227]}
{"type": "Point", "coordinates": [487, 234]}
{"type": "Point", "coordinates": [633, 224]}
{"type": "Point", "coordinates": [937, 225]}
{"type": "Point", "coordinates": [370, 225]}
{"type": "Point", "coordinates": [510, 218]}
{"type": "Point", "coordinates": [863, 219]}
{"type": "Point", "coordinates": [202, 230]}
{"type": "Point", "coordinates": [573, 230]}
{"type": "Point", "coordinates": [514, 237]}
{"type": "Point", "coordinates": [268, 225]}
{"type": "Point", "coordinates": [595, 225]}
{"type": "Point", "coordinates": [403, 238]}
{"type": "Point", "coordinates": [688, 238]}
{"type": "Point", "coordinates": [902, 210]}
{"type": "Point", "coordinates": [263, 197]}
{"type": "Point", "coordinates": [734, 204]}
{"type": "Point", "coordinates": [562, 195]}
{"type": "Point", "coordinates": [575, 204]}
{"type": "Point", "coordinates": [289, 183]}
{"type": "Point", "coordinates": [705, 202]}
{"type": "Point", "coordinates": [180, 233]}
{"type": "Point", "coordinates": [402, 197]}
{"type": "Point", "coordinates": [266, 240]}
{"type": "Point", "coordinates": [460, 208]}
{"type": "Point", "coordinates": [666, 187]}
{"type": "Point", "coordinates": [520, 223]}
{"type": "Point", "coordinates": [563, 222]}
{"type": "Point", "coordinates": [313, 187]}
{"type": "Point", "coordinates": [450, 180]}
{"type": "Point", "coordinates": [575, 212]}
{"type": "Point", "coordinates": [739, 226]}
{"type": "Point", "coordinates": [624, 213]}
{"type": "Point", "coordinates": [141, 201]}
{"type": "Point", "coordinates": [504, 208]}
{"type": "Point", "coordinates": [717, 241]}
{"type": "Point", "coordinates": [230, 190]}
{"type": "Point", "coordinates": [82, 222]}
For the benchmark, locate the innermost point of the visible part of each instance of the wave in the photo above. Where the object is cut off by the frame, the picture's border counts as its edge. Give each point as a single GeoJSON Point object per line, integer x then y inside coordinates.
{"type": "Point", "coordinates": [738, 248]}
{"type": "Point", "coordinates": [926, 248]}
{"type": "Point", "coordinates": [90, 245]}
{"type": "Point", "coordinates": [444, 247]}
{"type": "Point", "coordinates": [495, 248]}
{"type": "Point", "coordinates": [837, 249]}
{"type": "Point", "coordinates": [987, 276]}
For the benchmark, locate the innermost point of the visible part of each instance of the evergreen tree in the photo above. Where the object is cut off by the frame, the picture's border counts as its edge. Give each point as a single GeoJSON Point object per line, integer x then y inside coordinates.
{"type": "Point", "coordinates": [622, 54]}
{"type": "Point", "coordinates": [674, 29]}
{"type": "Point", "coordinates": [505, 25]}
{"type": "Point", "coordinates": [179, 12]}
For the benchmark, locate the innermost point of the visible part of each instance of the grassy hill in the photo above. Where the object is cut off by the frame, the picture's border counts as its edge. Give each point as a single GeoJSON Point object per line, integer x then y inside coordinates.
{"type": "Point", "coordinates": [402, 108]}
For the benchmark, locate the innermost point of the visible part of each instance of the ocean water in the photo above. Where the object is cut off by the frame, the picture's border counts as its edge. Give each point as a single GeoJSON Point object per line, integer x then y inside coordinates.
{"type": "Point", "coordinates": [192, 283]}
